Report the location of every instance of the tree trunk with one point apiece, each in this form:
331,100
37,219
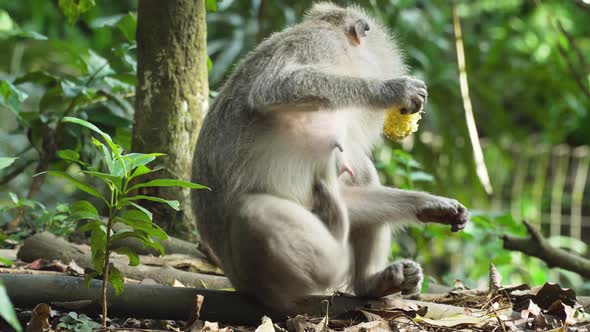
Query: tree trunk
171,99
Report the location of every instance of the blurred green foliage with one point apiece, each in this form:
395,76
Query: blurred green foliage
529,83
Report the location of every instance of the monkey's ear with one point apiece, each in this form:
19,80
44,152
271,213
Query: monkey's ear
358,31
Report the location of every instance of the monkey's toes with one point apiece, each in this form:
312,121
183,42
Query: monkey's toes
405,276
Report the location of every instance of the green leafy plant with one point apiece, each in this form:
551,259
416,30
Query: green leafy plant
78,323
36,217
402,170
7,310
121,202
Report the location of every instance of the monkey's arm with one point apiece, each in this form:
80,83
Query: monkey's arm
379,204
308,88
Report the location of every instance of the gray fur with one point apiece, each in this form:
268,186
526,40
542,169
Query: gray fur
282,220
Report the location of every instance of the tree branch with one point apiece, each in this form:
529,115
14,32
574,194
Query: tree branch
164,302
535,245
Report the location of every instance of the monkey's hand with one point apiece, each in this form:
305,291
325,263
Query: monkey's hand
444,210
409,94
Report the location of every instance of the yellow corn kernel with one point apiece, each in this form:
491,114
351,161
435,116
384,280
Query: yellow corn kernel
398,126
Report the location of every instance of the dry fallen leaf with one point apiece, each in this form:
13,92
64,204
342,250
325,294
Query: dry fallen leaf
266,325
177,283
39,318
455,320
550,292
373,326
195,313
300,323
459,285
495,279
563,311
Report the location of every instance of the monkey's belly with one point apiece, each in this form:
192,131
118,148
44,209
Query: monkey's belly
315,132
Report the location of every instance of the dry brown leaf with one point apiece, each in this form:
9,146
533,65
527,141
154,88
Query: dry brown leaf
528,309
495,279
456,320
459,285
550,292
39,318
565,312
266,325
177,283
373,326
540,323
195,313
300,323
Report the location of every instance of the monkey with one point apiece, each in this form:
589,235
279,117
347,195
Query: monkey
296,206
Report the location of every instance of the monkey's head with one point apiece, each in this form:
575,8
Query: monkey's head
352,20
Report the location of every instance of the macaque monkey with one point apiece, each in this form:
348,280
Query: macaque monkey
296,206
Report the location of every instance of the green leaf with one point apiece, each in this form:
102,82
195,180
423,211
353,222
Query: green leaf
89,226
116,279
11,97
67,154
421,176
137,216
6,261
89,278
133,258
7,310
121,166
79,184
107,155
84,210
128,25
107,178
173,204
94,128
168,183
142,209
125,233
72,9
37,77
138,220
7,161
6,22
209,64
140,170
98,243
13,197
211,5
139,159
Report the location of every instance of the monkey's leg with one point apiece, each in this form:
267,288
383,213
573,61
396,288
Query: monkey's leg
329,208
281,252
371,246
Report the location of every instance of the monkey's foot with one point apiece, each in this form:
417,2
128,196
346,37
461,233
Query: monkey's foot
444,211
404,275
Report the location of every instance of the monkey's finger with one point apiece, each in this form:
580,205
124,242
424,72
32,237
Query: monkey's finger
422,93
